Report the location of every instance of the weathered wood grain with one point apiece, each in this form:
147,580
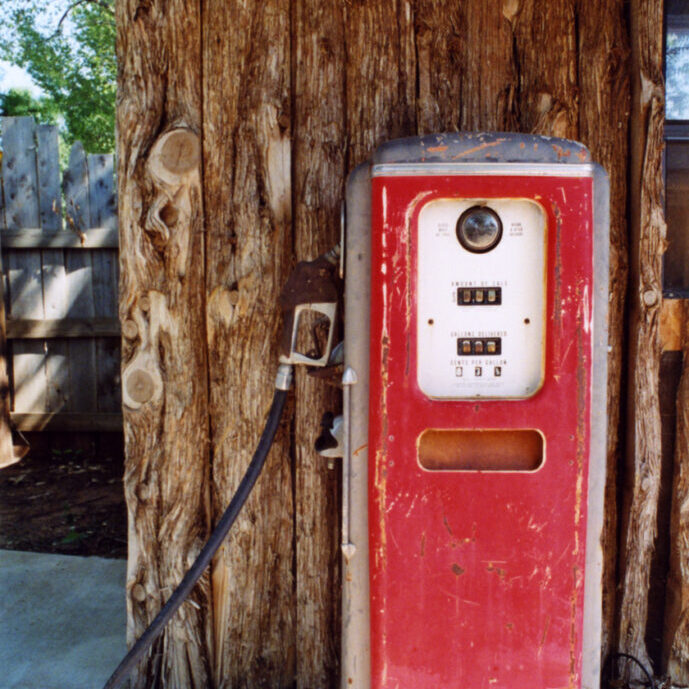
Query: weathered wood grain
102,211
672,315
439,37
74,422
53,272
486,60
546,53
676,641
79,284
380,75
164,354
7,454
32,238
248,203
48,167
604,106
318,175
20,184
27,328
642,479
14,189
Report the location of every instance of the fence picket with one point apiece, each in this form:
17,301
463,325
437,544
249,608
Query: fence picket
20,182
7,454
105,263
80,303
53,267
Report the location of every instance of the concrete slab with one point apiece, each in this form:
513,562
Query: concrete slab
62,620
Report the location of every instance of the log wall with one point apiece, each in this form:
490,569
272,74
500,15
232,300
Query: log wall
283,98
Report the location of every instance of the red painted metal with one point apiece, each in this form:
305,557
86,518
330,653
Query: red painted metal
476,577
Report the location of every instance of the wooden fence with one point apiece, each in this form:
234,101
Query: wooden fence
59,246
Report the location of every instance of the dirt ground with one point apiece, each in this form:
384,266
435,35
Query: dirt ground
66,497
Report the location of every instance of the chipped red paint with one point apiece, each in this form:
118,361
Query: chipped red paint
477,578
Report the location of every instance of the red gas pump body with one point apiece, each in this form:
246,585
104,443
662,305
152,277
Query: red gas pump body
477,576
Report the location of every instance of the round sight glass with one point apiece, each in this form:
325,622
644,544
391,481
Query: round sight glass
479,229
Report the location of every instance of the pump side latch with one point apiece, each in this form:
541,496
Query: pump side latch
309,307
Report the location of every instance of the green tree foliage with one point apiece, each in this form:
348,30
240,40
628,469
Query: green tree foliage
76,69
18,102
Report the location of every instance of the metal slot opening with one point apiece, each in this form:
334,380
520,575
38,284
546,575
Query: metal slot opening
481,450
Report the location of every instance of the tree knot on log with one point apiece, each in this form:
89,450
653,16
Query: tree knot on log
149,320
173,167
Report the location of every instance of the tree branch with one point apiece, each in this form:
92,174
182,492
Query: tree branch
101,3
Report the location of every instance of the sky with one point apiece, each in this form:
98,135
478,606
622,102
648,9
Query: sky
13,77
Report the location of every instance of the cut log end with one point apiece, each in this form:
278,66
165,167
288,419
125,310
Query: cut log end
180,151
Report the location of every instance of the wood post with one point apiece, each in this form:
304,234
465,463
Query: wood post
642,478
318,188
676,651
604,106
164,366
247,153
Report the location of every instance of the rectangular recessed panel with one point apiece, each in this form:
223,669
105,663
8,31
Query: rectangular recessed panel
481,450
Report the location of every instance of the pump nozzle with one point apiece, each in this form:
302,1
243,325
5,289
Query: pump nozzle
309,305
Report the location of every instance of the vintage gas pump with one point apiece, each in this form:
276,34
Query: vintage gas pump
474,414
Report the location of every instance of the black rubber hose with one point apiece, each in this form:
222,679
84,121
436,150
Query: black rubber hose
187,584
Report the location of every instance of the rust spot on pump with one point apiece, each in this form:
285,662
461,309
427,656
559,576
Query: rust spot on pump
457,570
498,570
447,525
380,479
561,152
557,279
544,635
359,449
478,148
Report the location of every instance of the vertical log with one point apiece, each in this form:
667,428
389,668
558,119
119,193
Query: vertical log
438,35
490,83
676,641
164,376
642,481
318,176
604,102
380,75
546,54
247,194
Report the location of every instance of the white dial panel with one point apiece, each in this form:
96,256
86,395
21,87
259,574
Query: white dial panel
481,316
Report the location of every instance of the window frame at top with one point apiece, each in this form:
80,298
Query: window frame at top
676,132
674,128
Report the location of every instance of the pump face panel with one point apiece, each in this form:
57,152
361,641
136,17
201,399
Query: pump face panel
480,418
481,314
